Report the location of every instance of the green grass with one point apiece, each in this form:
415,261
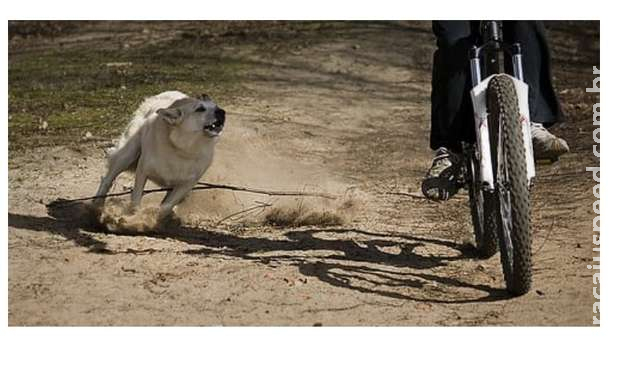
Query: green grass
75,92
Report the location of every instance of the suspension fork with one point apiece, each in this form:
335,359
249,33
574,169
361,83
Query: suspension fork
492,38
483,153
517,61
524,111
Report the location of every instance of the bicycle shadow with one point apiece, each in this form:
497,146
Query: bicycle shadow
384,274
344,262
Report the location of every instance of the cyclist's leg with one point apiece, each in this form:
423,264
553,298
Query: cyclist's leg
545,109
544,105
451,109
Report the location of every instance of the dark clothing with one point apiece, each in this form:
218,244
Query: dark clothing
452,112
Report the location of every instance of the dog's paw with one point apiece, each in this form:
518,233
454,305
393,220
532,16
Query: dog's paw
169,221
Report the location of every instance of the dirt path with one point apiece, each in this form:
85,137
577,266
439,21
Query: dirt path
328,106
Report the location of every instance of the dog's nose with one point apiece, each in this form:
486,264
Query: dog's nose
220,116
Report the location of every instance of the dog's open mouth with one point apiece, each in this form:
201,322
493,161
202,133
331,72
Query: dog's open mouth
214,129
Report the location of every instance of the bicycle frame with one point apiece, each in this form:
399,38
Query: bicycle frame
491,48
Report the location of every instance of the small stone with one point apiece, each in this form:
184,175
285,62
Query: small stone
119,64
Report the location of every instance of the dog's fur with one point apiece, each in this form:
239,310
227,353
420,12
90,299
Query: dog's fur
170,141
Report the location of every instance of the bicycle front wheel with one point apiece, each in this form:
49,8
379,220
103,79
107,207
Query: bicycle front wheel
512,195
483,216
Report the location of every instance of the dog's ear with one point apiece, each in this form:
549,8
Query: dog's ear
171,115
203,97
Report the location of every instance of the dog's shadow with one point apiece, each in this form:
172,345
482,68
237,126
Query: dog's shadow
344,261
67,219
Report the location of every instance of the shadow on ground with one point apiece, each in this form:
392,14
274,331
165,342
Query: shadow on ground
343,262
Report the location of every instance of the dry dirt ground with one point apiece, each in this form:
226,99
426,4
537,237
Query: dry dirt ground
337,107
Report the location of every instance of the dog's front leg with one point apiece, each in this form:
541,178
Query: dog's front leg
174,197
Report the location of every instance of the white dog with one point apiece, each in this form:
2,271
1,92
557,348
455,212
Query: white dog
170,141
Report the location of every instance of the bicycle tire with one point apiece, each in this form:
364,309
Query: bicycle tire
482,214
511,195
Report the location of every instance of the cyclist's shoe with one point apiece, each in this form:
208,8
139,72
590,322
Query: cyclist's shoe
442,180
546,145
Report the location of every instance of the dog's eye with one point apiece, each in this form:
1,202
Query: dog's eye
201,109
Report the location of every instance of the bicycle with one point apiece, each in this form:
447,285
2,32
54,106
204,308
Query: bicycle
499,165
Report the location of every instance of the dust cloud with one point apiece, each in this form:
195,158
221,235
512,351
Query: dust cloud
244,158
